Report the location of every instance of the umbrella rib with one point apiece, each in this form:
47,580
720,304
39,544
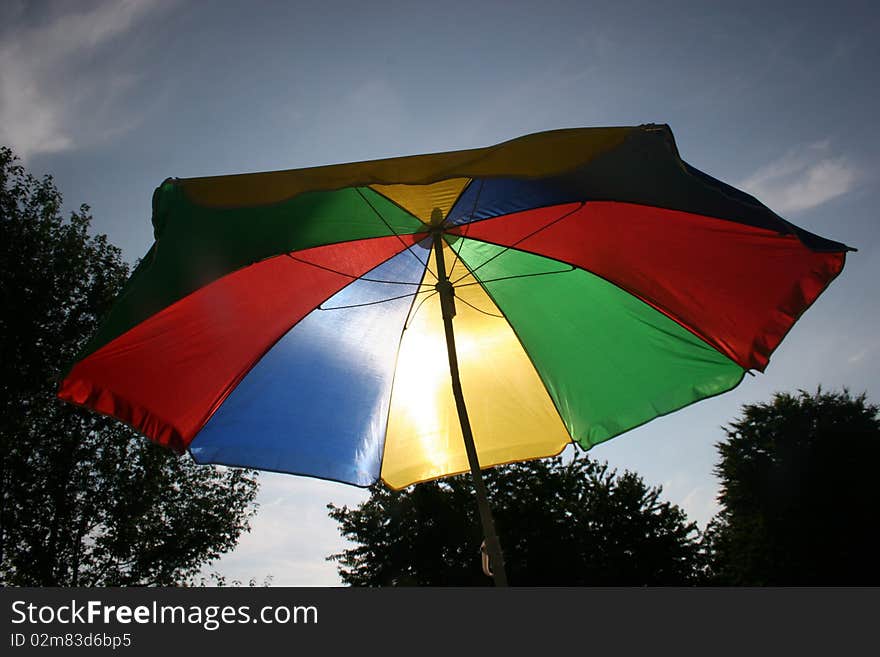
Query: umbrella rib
479,310
520,240
418,307
351,276
393,232
571,268
373,303
468,226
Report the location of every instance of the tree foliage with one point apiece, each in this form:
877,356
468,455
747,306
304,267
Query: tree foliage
799,493
84,500
560,523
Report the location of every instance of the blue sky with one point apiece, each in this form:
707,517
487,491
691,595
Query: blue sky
113,97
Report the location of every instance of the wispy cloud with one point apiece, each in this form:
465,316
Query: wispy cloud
802,178
44,89
701,505
866,353
292,535
858,356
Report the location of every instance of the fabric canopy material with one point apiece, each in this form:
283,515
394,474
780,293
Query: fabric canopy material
289,320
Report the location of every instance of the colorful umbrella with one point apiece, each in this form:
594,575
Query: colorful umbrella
301,321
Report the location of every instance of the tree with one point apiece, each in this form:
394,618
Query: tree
799,494
560,523
84,500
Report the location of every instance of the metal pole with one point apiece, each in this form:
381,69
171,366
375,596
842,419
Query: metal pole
447,305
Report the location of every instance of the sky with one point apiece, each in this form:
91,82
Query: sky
112,97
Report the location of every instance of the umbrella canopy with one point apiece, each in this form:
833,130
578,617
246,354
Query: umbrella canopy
292,320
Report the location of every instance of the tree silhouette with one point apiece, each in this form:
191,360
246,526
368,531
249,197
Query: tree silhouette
799,493
560,523
83,499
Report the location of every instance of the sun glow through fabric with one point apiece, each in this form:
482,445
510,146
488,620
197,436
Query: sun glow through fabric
511,414
317,402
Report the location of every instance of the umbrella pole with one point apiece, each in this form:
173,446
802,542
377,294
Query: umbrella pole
447,305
